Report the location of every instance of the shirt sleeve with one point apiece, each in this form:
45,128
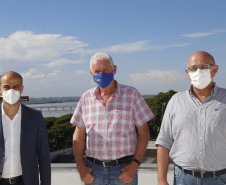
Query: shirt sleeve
77,119
141,112
165,137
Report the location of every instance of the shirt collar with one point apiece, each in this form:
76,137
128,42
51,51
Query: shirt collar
213,91
19,111
96,91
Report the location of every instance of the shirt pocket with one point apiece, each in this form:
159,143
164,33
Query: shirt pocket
217,117
121,120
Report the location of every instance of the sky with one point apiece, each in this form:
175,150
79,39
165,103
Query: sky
50,42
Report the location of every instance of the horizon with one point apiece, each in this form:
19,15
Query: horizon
78,96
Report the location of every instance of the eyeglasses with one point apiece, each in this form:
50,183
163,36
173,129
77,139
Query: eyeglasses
201,67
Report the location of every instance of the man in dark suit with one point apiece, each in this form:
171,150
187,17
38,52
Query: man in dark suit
24,150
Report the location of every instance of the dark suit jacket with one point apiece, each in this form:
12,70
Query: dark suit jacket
34,148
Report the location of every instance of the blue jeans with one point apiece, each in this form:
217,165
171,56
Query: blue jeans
181,178
108,175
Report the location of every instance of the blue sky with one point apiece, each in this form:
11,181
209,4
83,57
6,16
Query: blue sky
50,42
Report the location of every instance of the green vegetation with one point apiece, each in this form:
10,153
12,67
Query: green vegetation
60,131
158,106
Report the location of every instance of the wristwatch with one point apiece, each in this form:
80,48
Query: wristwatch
135,160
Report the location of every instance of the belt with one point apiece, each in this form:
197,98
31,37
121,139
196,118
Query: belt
12,180
123,160
202,174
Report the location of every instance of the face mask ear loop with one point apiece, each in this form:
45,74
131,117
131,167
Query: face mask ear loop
211,71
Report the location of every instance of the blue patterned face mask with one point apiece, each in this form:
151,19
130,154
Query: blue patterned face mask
103,79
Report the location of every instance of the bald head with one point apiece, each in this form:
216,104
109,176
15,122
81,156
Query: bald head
11,75
199,58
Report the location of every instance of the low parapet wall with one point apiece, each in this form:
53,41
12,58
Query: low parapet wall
57,153
68,174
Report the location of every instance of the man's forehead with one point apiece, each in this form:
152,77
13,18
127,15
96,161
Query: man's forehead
10,79
101,63
199,60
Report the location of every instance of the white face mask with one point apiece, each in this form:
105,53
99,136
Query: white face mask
200,78
11,96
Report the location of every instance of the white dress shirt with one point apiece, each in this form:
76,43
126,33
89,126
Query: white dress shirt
12,131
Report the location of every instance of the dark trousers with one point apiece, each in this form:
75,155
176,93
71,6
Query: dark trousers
18,183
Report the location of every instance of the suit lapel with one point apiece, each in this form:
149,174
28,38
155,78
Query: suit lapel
22,127
2,143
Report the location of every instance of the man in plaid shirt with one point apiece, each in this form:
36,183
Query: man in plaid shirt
106,117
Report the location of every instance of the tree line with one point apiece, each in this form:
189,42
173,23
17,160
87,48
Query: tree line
60,130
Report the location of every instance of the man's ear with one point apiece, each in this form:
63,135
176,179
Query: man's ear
186,70
215,69
22,88
114,69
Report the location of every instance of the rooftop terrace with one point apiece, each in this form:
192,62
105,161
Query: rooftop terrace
64,170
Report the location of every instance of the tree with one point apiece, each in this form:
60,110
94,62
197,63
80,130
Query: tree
50,122
158,105
63,119
60,133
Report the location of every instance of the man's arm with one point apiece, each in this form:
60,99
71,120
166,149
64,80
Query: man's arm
79,148
129,171
163,163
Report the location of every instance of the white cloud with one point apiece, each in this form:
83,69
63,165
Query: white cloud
155,81
134,47
36,74
46,83
202,34
62,62
43,53
219,49
27,46
40,83
81,72
156,77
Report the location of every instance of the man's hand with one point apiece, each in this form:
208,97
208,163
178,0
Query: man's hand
128,173
79,148
163,162
85,174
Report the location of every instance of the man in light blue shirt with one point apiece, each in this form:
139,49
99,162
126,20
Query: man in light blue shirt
193,131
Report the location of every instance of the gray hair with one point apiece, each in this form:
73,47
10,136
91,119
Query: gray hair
101,56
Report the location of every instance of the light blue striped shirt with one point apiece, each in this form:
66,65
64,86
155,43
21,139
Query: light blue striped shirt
195,132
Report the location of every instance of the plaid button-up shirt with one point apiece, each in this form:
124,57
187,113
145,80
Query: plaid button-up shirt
110,128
